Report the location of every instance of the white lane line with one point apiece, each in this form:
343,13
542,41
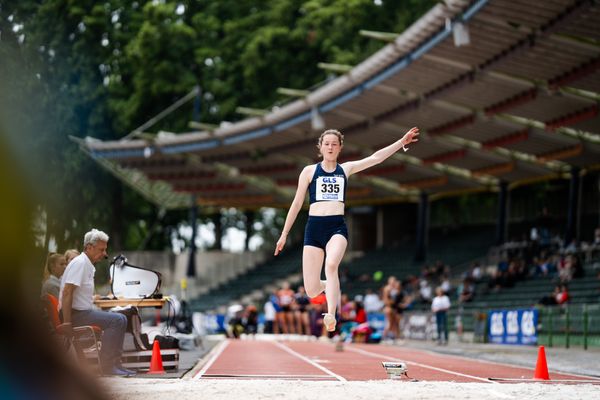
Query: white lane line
381,356
311,362
269,376
216,352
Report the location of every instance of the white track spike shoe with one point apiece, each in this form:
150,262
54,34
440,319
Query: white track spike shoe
329,322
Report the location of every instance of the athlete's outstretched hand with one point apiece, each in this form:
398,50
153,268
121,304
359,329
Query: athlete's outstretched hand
280,244
410,136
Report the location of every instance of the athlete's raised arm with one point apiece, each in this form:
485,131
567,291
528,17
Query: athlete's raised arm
303,182
352,167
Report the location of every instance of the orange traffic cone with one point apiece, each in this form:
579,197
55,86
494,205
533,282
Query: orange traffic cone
541,368
156,365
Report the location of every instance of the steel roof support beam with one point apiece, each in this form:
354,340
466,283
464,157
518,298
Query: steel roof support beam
159,193
203,126
339,68
440,167
293,92
384,36
251,112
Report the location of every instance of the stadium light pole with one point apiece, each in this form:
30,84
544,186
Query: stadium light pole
572,213
191,270
502,213
422,227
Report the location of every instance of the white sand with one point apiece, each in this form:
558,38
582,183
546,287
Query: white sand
184,389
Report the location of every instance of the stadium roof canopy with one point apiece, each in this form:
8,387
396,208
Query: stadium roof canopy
517,103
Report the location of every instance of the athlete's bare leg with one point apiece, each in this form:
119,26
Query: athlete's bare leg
312,263
335,249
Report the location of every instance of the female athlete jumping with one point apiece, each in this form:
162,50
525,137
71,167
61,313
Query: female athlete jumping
326,235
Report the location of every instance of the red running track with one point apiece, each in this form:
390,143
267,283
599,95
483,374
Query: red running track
255,359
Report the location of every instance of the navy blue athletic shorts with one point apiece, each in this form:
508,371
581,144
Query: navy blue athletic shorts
320,229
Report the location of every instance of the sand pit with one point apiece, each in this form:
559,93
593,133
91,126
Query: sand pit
214,389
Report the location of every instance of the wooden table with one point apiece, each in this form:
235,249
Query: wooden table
157,303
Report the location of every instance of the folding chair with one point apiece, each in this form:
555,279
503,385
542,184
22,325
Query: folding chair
85,338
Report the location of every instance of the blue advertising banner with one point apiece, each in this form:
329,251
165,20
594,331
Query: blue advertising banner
213,323
513,326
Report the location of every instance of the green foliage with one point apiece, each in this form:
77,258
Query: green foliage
101,69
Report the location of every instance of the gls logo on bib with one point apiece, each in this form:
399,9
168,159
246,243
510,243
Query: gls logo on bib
330,188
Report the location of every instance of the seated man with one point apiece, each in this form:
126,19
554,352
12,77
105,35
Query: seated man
77,303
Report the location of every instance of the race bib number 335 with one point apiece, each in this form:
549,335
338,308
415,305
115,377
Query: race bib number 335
330,188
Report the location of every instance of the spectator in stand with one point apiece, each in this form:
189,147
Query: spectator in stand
563,295
411,286
347,311
286,300
71,254
279,320
522,269
468,291
496,282
512,275
534,238
571,248
440,268
540,269
372,302
425,292
250,320
425,272
318,306
475,272
591,250
544,223
503,264
440,306
269,310
392,317
234,325
402,302
559,296
359,310
577,266
446,285
544,266
53,271
302,311
565,269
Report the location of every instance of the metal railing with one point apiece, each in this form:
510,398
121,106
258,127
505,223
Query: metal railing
575,325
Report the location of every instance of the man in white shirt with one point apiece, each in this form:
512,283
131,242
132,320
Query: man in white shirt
76,303
372,302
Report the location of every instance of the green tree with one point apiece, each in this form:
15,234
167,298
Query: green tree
100,69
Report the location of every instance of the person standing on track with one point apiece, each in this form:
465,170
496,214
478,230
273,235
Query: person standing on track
326,235
440,306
